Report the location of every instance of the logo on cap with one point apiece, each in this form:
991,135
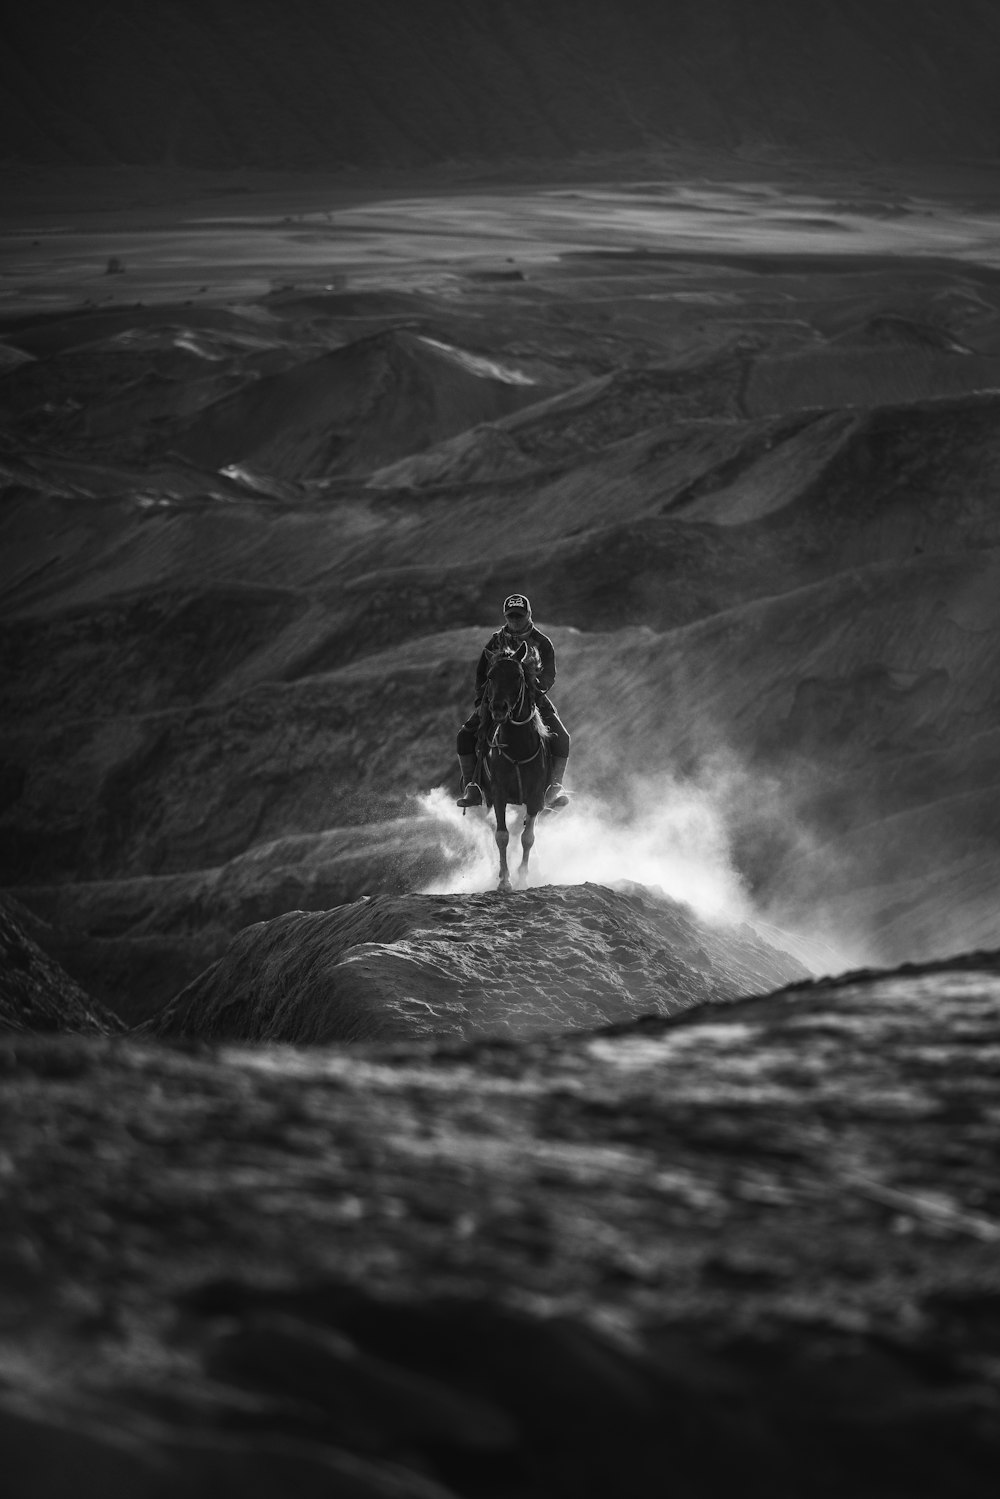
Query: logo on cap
516,601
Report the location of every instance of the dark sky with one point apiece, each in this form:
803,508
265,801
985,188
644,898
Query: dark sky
287,83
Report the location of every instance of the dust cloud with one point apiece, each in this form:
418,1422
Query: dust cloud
661,833
672,836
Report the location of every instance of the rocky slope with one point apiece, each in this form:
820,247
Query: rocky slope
748,1247
36,994
296,84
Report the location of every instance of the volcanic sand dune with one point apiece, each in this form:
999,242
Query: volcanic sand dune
875,877
877,676
421,967
123,807
45,336
737,544
865,378
135,942
167,647
726,472
390,395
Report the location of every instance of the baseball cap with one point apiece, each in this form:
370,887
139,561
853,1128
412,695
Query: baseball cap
516,603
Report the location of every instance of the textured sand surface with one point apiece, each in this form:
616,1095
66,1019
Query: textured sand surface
431,966
753,1246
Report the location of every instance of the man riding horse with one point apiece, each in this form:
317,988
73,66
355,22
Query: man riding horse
518,628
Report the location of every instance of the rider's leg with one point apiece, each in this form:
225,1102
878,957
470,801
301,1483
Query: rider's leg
471,796
555,794
559,742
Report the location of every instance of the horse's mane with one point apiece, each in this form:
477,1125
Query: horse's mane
530,671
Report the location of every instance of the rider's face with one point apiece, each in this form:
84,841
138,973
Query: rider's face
518,624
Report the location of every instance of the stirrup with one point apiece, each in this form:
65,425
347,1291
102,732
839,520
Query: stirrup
556,797
472,796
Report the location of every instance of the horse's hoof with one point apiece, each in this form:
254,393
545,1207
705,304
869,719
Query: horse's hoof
504,885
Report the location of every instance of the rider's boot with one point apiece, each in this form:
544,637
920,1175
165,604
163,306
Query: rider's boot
555,796
471,794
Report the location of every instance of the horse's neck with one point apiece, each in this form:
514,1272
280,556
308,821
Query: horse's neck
518,736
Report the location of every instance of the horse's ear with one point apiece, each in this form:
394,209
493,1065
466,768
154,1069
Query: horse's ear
521,651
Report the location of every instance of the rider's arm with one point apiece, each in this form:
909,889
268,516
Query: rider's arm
546,674
483,667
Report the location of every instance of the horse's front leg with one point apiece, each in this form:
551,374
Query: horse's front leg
527,844
503,838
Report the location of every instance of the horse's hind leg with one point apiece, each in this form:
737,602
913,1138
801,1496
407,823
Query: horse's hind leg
503,838
527,844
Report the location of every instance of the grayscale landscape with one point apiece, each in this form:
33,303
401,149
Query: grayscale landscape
327,1166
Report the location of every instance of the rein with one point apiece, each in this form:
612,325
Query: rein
531,710
519,723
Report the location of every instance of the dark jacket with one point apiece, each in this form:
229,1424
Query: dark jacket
545,653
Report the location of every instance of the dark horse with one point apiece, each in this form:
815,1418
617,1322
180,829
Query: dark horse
514,751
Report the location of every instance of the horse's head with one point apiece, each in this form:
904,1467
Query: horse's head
506,682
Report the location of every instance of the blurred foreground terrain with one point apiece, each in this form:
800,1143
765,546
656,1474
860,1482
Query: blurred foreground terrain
750,1246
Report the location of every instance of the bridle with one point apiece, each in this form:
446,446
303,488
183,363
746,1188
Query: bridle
496,742
508,717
